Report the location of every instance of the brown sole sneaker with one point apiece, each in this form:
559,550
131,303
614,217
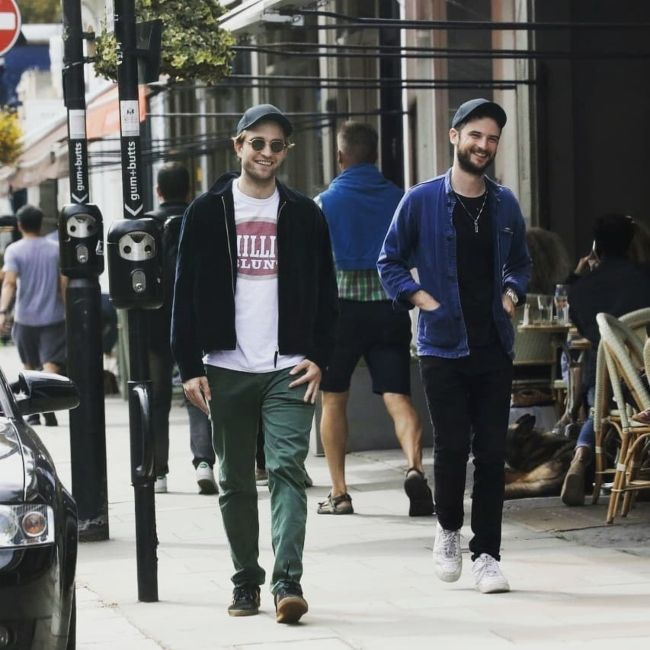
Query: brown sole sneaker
290,609
243,612
245,602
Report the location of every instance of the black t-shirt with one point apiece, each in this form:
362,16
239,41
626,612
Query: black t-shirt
475,267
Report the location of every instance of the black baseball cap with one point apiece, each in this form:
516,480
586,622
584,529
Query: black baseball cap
486,107
264,112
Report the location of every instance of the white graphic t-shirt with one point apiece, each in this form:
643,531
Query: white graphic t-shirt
256,295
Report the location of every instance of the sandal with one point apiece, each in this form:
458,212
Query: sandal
418,491
341,505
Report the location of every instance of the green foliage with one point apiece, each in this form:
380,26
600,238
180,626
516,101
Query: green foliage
40,11
10,134
193,44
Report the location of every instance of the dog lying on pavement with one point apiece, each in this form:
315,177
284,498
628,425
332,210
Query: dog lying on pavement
537,461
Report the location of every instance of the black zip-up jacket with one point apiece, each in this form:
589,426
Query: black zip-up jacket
203,314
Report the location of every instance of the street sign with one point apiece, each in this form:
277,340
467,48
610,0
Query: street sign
9,24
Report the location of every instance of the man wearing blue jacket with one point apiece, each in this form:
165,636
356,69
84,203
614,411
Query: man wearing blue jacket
358,206
465,235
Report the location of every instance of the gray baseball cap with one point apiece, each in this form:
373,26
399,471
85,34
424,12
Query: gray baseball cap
486,107
264,112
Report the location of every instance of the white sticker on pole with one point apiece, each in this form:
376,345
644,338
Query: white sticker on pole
77,124
130,116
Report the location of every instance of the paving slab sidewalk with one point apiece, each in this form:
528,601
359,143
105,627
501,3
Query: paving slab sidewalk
368,577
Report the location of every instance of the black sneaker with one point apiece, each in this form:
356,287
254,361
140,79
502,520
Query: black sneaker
245,601
419,493
289,602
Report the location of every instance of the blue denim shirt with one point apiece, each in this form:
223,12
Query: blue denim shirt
422,235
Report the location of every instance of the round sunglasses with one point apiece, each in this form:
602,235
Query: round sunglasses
259,144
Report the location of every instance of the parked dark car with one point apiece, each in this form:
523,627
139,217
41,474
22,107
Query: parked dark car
38,521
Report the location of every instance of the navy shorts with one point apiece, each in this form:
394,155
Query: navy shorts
381,336
40,344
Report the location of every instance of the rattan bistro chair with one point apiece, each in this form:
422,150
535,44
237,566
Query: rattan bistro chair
604,416
623,354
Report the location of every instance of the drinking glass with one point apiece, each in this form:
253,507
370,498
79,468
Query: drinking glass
561,303
545,305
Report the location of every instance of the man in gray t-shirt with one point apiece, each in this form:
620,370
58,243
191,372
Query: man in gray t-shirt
31,275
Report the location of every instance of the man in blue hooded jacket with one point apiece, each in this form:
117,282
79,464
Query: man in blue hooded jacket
358,206
466,236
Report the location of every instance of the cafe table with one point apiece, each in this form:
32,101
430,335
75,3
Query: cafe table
558,336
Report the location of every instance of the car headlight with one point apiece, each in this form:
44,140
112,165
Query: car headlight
26,525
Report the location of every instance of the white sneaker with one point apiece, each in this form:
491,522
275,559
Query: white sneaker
160,486
447,559
488,576
205,479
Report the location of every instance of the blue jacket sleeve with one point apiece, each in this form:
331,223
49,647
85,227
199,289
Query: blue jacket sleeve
516,271
394,259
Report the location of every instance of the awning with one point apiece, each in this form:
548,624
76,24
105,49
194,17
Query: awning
45,152
252,14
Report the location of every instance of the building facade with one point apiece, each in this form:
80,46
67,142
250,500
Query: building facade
568,72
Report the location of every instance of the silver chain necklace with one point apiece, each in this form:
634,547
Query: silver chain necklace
469,214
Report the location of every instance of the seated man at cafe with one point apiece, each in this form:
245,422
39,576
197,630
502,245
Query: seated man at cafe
607,281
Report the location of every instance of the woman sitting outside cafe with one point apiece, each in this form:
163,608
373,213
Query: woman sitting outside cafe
605,280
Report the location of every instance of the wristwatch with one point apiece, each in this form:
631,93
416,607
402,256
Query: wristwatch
510,292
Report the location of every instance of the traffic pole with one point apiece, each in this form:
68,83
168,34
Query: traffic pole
142,473
83,304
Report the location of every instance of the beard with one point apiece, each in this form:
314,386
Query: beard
466,164
257,174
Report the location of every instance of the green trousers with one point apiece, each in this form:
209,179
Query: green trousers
239,399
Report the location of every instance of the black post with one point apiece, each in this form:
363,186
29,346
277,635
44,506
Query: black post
142,473
83,311
390,100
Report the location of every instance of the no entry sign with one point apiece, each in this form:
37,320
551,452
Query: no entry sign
9,24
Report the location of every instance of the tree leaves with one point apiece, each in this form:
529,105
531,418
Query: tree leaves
193,44
40,11
10,134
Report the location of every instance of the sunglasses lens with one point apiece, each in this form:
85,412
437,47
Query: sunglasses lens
258,144
277,146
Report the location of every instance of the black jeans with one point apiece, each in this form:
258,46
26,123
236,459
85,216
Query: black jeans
469,403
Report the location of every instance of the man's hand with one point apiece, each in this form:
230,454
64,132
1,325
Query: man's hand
3,323
197,390
508,305
424,300
312,377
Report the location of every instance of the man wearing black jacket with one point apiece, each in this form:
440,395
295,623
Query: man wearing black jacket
254,311
173,189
